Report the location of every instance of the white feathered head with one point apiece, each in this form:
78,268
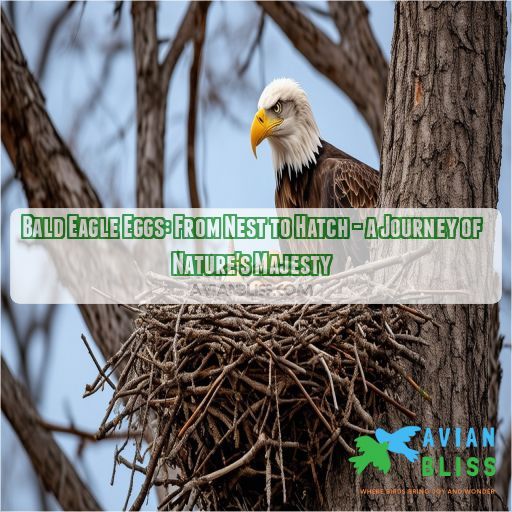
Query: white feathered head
285,118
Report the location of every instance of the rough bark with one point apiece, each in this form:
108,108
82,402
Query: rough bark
355,64
151,107
152,84
49,461
441,148
50,176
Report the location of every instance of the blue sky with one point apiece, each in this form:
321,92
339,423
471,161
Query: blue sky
229,176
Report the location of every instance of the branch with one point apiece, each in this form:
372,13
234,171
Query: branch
151,107
244,66
96,92
356,65
83,434
50,175
49,462
184,34
152,87
194,77
52,31
33,324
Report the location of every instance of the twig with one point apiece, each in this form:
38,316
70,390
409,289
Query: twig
195,68
213,389
331,383
418,314
358,360
393,402
157,450
100,371
89,436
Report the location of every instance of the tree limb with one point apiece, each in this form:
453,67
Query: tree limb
48,460
83,434
96,92
244,65
184,34
194,77
50,176
356,65
49,173
51,33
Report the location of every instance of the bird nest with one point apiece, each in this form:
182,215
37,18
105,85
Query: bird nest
246,406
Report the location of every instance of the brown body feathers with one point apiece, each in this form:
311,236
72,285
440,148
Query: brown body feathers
337,180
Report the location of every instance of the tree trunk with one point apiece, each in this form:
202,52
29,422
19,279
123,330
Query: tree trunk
151,107
441,148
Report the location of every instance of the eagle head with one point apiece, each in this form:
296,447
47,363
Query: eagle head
285,118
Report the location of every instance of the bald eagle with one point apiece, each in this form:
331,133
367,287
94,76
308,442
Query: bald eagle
310,172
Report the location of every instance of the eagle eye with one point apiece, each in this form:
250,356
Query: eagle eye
277,107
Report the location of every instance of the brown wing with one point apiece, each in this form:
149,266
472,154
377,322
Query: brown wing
347,183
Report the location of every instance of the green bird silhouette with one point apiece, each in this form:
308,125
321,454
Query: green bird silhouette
372,452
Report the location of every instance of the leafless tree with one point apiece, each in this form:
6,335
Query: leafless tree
466,147
461,93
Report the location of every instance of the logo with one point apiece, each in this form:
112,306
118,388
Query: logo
376,452
450,451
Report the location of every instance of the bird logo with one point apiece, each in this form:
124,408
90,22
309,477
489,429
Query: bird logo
375,452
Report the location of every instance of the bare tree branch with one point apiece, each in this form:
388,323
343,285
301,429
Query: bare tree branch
48,460
95,96
118,12
50,175
52,31
244,66
194,76
183,36
12,13
24,337
78,432
356,65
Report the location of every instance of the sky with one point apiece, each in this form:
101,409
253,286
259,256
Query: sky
229,175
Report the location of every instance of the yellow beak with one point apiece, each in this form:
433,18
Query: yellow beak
261,128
